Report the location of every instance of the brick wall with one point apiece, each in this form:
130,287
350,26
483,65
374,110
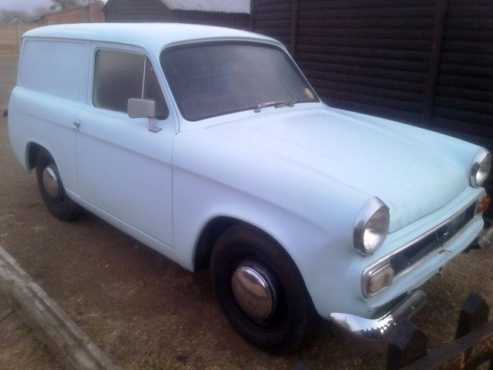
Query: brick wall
10,35
91,13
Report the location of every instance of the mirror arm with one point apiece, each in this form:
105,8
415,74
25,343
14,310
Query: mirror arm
152,125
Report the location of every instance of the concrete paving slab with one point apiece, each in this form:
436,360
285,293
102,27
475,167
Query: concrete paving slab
66,341
20,348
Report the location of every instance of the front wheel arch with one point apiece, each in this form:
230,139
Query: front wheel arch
213,230
228,248
210,233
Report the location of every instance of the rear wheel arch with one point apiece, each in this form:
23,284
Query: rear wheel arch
33,151
51,187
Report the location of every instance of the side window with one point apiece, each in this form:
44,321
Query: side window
117,78
120,76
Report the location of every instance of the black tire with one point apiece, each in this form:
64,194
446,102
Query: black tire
60,206
294,319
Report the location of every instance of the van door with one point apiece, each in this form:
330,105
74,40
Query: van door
125,170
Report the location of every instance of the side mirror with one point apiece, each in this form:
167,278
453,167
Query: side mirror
144,108
141,108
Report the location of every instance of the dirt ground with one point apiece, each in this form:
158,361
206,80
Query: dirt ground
148,313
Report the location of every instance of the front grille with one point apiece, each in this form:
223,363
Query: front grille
431,242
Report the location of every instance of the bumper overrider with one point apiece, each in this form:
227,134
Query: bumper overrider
378,328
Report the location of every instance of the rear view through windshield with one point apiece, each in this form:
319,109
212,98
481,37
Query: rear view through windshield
218,78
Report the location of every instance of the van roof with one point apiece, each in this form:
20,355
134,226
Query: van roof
151,36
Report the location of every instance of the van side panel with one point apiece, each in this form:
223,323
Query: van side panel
50,93
55,68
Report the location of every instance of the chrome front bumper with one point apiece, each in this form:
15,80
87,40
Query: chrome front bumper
378,328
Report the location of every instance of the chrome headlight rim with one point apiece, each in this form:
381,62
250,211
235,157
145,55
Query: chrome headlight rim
371,209
483,158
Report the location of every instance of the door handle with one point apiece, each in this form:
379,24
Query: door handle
76,125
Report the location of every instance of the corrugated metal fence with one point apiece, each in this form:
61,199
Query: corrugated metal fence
429,62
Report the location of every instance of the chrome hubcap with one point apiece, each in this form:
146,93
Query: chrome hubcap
50,181
253,291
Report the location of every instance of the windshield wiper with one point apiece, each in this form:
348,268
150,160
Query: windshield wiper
276,104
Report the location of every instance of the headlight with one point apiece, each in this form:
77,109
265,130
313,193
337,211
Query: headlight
481,168
372,227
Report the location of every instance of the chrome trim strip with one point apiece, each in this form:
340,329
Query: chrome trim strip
378,328
428,256
386,259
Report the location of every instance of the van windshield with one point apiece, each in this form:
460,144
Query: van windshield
212,79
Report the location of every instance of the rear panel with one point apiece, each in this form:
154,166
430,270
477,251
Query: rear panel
55,67
50,92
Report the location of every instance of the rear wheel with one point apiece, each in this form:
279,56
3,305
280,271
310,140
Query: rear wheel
52,190
261,290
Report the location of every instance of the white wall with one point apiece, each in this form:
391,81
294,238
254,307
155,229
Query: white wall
226,6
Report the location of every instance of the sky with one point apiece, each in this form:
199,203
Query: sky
24,5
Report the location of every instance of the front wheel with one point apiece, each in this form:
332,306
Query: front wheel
52,190
261,291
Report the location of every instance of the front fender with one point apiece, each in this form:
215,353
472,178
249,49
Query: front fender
324,258
309,215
